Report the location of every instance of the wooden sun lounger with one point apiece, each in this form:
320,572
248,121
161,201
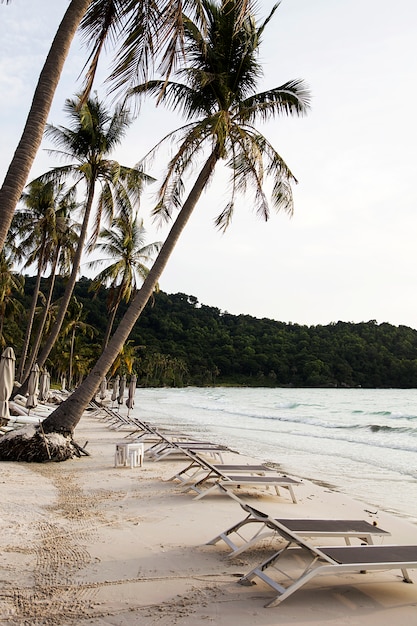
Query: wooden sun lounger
213,479
344,528
324,561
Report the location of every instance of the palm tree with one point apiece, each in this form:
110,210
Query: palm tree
125,360
124,244
141,25
75,323
10,283
217,96
88,143
66,233
34,235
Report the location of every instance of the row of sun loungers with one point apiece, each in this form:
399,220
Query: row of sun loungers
293,559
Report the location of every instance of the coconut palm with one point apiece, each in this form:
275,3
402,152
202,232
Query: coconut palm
88,143
217,97
75,324
142,27
34,233
66,233
124,244
10,284
126,359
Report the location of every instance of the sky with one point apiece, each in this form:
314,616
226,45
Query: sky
349,252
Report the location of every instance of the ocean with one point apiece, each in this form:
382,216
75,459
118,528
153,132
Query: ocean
360,442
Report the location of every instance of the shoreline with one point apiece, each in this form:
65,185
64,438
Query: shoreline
83,542
300,429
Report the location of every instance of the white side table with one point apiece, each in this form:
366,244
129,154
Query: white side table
129,454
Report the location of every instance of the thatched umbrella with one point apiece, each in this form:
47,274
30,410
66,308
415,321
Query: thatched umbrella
7,370
130,402
122,386
33,388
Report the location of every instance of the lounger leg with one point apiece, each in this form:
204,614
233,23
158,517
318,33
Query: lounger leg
247,579
283,592
406,577
291,490
232,529
204,492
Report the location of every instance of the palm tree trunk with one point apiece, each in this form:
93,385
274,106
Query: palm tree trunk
65,418
31,138
109,326
71,358
31,360
30,320
112,317
53,335
2,342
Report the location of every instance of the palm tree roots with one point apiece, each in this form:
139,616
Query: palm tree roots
30,444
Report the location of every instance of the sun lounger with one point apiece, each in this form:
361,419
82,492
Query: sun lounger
334,560
116,420
180,448
198,468
239,539
215,480
108,414
226,483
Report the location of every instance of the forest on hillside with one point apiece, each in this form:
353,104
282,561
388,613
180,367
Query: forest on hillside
178,341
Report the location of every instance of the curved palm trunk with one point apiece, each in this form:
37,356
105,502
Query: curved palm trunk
31,138
29,325
65,418
109,326
112,317
42,322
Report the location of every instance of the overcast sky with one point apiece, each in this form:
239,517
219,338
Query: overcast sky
349,252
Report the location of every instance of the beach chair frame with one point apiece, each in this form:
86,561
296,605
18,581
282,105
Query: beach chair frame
346,529
225,482
326,560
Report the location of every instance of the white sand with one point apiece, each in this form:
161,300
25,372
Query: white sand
83,542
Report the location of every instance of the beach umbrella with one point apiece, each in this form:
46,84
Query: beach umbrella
103,388
115,393
122,386
131,394
63,383
44,385
33,388
7,369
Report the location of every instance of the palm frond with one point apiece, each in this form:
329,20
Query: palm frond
292,98
101,23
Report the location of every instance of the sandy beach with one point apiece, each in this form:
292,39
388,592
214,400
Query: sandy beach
84,542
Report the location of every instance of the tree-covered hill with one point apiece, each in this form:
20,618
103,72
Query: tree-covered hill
179,341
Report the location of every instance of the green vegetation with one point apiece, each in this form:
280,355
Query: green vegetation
178,341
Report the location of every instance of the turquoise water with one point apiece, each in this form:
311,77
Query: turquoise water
361,442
